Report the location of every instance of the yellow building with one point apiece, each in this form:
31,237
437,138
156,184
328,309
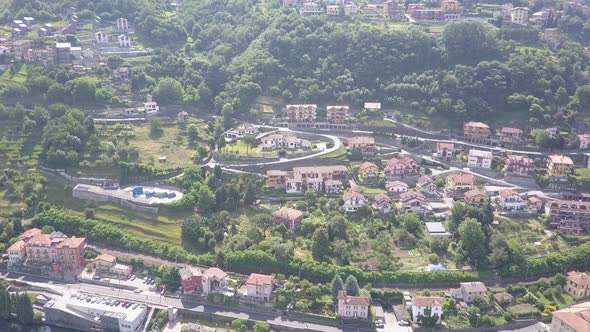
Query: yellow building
559,166
577,284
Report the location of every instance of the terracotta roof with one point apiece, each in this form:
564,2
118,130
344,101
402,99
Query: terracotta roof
40,240
424,181
353,300
260,279
106,258
17,246
337,107
462,178
412,195
351,194
510,130
577,317
519,159
390,184
442,145
427,301
361,140
403,161
474,287
474,192
584,137
30,233
475,124
302,106
71,242
534,200
215,272
561,159
287,213
579,278
382,198
367,165
507,193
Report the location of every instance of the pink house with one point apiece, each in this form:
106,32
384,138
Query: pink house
352,307
401,167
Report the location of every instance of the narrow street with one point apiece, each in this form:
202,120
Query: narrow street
159,301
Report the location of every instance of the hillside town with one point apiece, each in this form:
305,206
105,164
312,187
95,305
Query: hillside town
294,165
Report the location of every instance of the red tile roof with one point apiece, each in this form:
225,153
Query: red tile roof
507,193
474,192
561,159
405,161
214,272
351,194
71,242
427,301
30,233
260,279
462,178
361,140
579,278
577,317
353,300
17,246
40,240
382,198
448,146
367,165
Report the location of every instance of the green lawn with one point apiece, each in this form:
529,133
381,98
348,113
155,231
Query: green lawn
19,77
532,235
172,144
523,310
163,227
368,190
336,153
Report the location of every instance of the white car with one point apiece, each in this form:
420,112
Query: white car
137,291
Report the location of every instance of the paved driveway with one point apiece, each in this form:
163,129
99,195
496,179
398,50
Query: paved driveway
391,324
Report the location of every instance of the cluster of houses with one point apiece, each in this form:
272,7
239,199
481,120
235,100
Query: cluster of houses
305,116
213,280
573,318
22,47
394,10
323,179
286,141
53,252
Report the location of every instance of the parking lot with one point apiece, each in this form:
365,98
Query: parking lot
141,283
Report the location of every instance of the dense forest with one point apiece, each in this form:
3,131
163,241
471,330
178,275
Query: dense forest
227,53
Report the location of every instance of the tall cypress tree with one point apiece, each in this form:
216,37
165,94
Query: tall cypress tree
5,303
337,285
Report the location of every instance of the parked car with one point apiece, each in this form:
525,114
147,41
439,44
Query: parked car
379,323
132,277
95,277
137,291
403,323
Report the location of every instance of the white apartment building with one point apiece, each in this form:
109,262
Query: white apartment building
480,159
